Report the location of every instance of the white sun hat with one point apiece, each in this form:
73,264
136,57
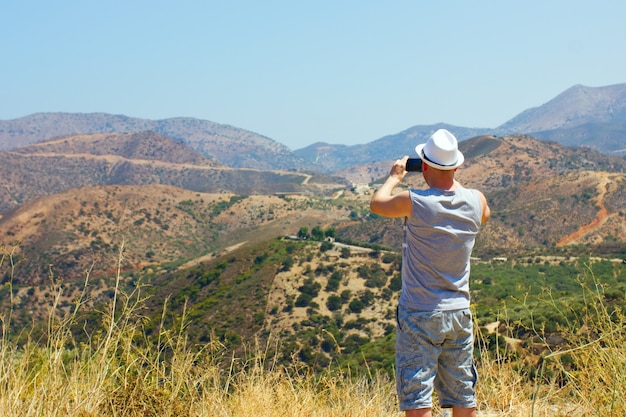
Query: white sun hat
441,151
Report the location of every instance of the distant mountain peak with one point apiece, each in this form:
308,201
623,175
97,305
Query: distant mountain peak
575,106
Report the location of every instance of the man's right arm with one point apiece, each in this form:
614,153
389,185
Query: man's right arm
384,202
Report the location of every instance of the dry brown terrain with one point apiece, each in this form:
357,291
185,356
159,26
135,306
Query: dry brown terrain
286,284
168,223
592,232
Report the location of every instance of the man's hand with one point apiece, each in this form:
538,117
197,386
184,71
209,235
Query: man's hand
398,170
388,205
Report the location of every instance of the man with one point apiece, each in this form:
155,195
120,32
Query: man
434,340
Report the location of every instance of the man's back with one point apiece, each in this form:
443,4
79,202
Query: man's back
438,240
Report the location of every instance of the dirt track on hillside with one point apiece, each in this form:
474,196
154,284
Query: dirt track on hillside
601,217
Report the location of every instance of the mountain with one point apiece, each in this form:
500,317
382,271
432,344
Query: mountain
324,157
593,117
226,144
576,106
58,165
580,116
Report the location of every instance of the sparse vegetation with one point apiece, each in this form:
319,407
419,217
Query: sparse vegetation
118,373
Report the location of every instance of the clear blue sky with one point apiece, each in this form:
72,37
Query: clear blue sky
299,72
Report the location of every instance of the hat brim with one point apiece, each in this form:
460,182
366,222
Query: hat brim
459,159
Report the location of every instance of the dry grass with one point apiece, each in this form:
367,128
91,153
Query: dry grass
115,374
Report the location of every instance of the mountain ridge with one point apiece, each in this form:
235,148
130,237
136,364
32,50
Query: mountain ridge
142,158
580,116
224,143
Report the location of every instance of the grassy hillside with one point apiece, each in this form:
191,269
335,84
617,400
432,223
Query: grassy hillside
327,303
168,345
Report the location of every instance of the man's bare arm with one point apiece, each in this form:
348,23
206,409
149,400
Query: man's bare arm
486,210
384,202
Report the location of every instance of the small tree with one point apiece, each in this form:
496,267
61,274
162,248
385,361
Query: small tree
287,263
326,246
303,233
317,233
334,303
303,300
356,305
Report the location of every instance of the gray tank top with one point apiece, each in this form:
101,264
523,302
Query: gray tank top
438,241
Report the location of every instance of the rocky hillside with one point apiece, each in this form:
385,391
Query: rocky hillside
55,166
540,194
82,228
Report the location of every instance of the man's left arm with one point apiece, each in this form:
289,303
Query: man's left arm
485,207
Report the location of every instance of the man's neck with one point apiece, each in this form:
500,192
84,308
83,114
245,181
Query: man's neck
446,184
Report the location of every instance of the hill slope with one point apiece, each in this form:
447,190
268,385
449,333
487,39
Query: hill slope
75,229
149,146
226,144
133,159
539,193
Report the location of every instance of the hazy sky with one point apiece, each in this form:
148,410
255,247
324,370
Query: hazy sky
299,72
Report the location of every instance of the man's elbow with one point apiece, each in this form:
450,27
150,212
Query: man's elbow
380,208
374,207
384,210
486,215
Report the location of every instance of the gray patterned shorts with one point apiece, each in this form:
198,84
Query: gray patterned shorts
434,351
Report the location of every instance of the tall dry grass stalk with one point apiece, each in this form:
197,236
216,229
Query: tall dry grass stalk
591,367
119,373
506,388
273,392
585,376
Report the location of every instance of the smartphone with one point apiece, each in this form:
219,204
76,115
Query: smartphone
414,165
